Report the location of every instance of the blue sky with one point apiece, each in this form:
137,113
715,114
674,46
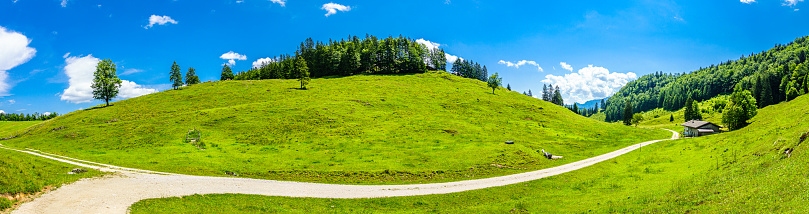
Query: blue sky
589,48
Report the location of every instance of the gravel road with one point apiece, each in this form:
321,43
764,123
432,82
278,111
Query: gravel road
117,192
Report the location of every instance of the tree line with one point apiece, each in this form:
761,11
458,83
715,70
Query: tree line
772,76
352,56
26,117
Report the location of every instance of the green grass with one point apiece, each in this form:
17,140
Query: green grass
25,173
743,171
10,128
360,129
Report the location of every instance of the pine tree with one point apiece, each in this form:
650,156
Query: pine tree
191,77
105,82
508,86
688,113
671,119
544,92
576,108
530,94
557,97
603,105
628,113
227,74
301,71
176,77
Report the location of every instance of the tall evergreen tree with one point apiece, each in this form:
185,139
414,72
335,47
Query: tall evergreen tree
557,97
603,104
191,77
530,94
508,86
628,113
176,77
227,74
576,108
301,71
689,110
544,92
105,82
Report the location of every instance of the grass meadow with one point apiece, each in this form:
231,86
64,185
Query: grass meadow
364,129
744,171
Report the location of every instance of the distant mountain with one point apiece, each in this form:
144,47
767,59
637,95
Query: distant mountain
591,103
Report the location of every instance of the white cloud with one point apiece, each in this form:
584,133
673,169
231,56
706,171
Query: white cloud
589,83
332,8
64,3
46,113
14,52
432,45
21,109
566,66
791,2
2,112
239,2
159,20
427,43
232,57
520,63
130,71
131,89
11,102
281,2
79,71
747,1
258,63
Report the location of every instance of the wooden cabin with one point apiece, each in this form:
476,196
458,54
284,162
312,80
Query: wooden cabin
696,128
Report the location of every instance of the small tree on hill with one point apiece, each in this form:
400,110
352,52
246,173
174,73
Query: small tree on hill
508,86
688,113
557,97
191,77
105,81
628,113
740,108
494,81
637,118
227,74
301,71
175,76
671,119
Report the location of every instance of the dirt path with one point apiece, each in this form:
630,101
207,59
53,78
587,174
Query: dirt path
116,193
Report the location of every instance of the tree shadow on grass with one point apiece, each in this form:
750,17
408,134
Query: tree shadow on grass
302,89
99,107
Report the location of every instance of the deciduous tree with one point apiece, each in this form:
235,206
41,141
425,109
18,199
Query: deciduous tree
494,82
105,81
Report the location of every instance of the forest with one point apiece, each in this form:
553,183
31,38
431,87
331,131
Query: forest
354,55
26,117
772,76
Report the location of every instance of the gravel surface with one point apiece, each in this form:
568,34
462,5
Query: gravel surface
117,192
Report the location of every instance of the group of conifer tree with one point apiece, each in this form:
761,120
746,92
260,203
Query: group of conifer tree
553,95
176,77
770,77
351,56
26,117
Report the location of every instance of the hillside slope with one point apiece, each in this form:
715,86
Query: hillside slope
358,129
744,171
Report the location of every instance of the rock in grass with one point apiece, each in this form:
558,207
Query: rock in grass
509,142
77,171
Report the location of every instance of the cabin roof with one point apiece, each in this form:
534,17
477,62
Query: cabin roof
696,124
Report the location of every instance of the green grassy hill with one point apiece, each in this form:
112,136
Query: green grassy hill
358,129
744,171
